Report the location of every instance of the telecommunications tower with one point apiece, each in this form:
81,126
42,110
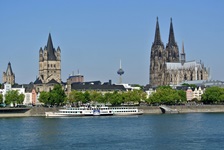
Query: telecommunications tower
120,72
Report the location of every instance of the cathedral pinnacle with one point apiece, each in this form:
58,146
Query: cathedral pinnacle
171,41
157,40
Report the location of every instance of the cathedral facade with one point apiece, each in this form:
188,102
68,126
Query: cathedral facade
168,67
49,67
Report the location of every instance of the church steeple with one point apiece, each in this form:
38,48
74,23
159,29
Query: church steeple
9,76
9,70
50,49
171,41
157,39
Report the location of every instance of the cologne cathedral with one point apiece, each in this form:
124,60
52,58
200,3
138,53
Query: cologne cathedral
168,67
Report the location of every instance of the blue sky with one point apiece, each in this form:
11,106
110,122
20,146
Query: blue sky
95,34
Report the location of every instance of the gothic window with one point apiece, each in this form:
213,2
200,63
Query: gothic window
191,76
160,55
185,76
171,78
198,76
201,75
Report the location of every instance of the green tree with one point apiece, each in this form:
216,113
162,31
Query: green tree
44,98
116,99
86,97
75,97
190,85
57,95
96,96
166,95
183,97
134,96
14,97
1,98
213,95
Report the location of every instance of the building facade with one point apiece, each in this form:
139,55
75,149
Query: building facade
9,76
49,67
168,67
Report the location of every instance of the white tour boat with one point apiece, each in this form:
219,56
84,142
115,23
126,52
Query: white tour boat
94,111
80,111
126,111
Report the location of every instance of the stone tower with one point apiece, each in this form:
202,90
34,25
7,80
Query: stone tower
49,67
157,59
9,76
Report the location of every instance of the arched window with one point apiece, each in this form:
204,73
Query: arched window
191,76
185,76
160,55
201,75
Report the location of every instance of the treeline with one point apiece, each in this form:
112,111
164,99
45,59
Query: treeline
115,98
57,97
13,98
163,95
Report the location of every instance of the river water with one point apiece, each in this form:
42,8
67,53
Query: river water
162,131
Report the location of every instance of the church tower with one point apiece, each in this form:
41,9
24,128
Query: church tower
9,76
157,59
172,51
49,67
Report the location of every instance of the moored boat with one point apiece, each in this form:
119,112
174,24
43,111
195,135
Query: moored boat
94,111
126,111
80,111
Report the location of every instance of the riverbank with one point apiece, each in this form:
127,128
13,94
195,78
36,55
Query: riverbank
185,109
40,111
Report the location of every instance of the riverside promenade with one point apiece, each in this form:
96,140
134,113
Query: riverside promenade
40,111
185,109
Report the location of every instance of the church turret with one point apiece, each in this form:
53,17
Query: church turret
58,53
9,76
41,54
182,55
172,51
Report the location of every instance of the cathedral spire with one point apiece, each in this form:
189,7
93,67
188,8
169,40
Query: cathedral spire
157,40
50,48
171,41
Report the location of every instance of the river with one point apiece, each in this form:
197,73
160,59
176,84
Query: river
162,131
